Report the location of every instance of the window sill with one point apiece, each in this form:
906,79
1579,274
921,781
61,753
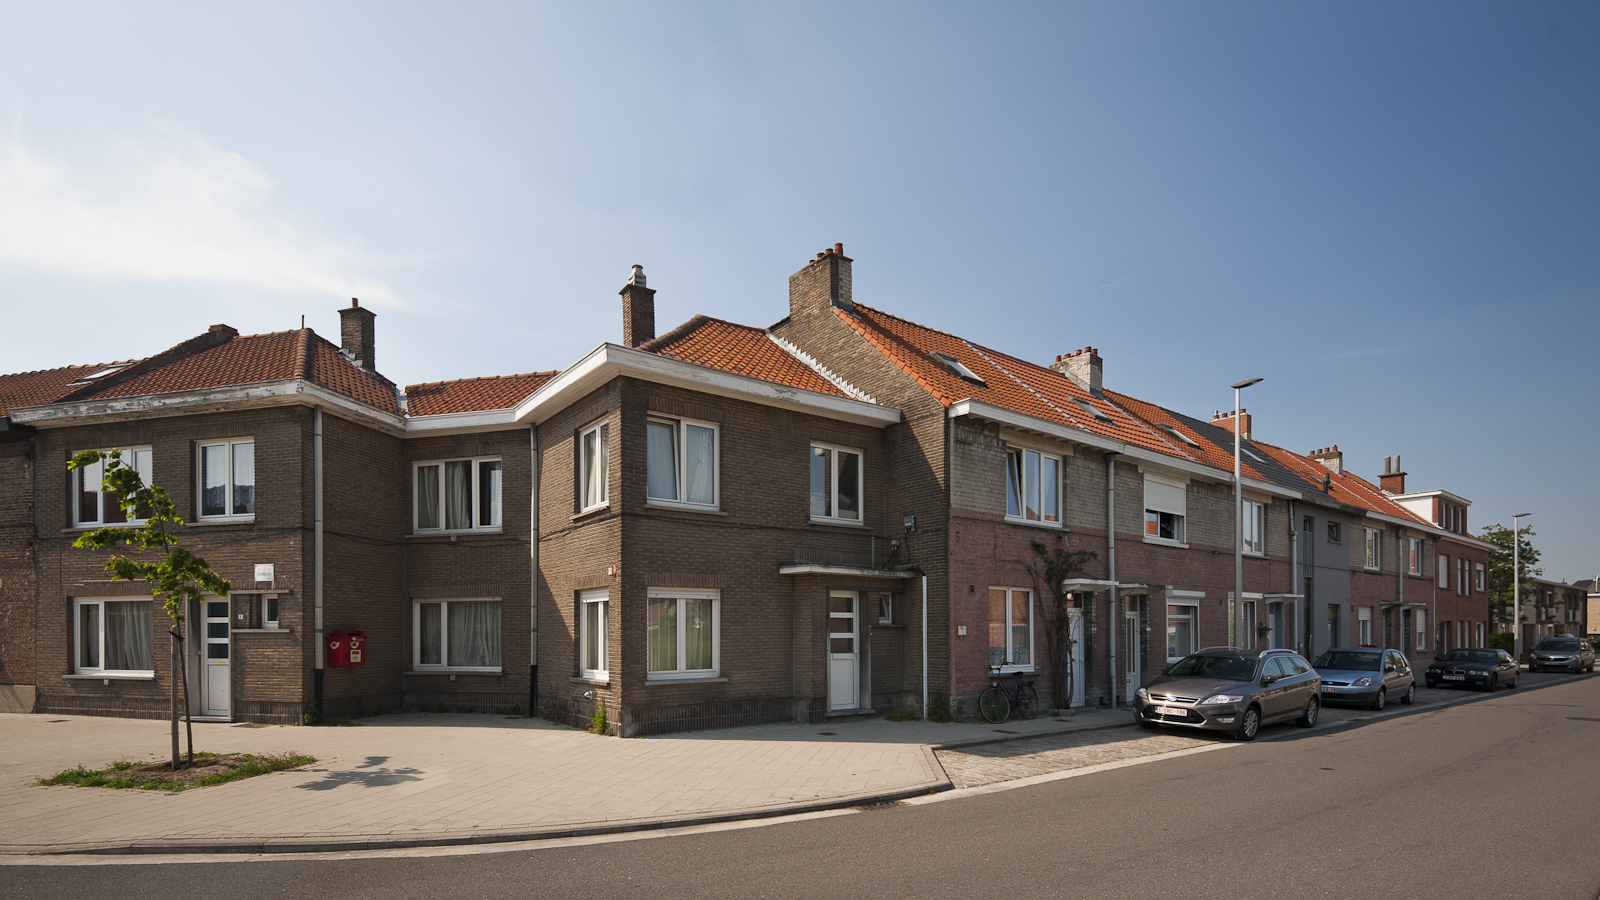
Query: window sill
688,679
113,676
838,523
1253,555
684,507
586,679
263,631
898,626
589,512
1165,542
1053,526
1016,670
454,672
452,535
206,523
92,527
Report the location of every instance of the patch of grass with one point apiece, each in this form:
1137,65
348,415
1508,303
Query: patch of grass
209,769
939,708
903,714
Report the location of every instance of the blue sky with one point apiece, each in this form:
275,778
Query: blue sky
1389,211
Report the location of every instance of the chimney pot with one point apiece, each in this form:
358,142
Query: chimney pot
823,284
1084,367
838,249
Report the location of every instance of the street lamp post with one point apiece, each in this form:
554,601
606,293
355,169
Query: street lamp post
1516,587
1238,517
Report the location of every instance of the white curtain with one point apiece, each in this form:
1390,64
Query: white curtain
661,635
432,653
244,479
700,461
489,494
130,634
595,467
821,503
89,636
214,480
458,495
475,633
428,497
662,452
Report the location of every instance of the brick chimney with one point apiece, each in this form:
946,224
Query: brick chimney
1225,420
823,284
1332,457
356,334
638,310
1393,480
1082,366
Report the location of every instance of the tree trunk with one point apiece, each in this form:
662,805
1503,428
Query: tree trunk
188,716
177,663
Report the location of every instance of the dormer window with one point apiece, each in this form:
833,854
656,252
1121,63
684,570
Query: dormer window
956,366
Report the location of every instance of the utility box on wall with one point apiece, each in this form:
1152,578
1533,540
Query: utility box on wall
347,648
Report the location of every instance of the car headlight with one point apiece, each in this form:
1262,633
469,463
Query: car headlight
1362,682
1218,699
1144,694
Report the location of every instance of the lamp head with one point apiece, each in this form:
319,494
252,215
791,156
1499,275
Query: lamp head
1246,383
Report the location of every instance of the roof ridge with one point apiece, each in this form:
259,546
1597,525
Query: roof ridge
214,336
833,378
681,331
482,378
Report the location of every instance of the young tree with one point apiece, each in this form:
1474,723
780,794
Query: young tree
176,578
1500,575
1053,566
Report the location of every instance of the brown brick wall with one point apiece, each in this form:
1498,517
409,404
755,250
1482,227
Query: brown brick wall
17,574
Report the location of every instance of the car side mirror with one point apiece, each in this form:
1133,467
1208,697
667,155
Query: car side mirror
1268,679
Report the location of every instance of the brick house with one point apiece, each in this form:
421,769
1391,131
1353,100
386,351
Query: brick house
1457,584
1554,608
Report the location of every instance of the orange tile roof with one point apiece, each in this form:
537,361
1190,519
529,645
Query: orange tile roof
39,388
1344,487
472,394
1213,445
740,349
1008,382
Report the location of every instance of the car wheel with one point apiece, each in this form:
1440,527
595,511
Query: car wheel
1249,724
1381,699
1489,685
1591,668
1411,694
1313,710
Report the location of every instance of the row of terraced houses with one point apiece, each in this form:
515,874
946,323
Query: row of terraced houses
724,524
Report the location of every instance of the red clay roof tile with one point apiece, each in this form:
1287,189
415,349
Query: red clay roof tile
740,349
473,394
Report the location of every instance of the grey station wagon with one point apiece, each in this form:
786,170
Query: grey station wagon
1224,689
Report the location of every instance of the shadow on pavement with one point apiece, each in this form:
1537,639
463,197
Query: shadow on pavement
371,773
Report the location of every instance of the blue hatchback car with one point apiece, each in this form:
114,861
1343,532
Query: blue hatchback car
1365,676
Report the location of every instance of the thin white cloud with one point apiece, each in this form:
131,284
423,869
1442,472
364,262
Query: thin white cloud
171,208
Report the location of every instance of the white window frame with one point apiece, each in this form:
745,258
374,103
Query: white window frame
1157,510
1482,573
832,452
1193,615
1441,572
443,665
1414,556
271,611
601,433
1010,649
587,667
1021,454
681,673
885,607
78,667
1421,628
1255,520
1480,634
1364,626
681,436
1335,532
475,467
130,457
200,474
1374,560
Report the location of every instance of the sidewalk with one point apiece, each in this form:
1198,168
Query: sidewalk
430,780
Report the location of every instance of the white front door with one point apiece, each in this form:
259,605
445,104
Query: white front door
214,661
844,662
1130,654
1075,623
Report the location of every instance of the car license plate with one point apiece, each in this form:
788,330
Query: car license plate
1172,711
1455,678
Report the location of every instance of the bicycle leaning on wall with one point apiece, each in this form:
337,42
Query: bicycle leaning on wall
996,703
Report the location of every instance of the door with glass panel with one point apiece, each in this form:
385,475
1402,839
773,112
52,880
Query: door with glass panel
1130,654
844,663
214,672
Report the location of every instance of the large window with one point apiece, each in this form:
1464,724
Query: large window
1181,632
458,495
682,462
1011,628
1255,527
1364,618
457,634
1374,548
1165,506
113,636
594,611
93,507
594,466
836,484
1033,486
227,479
682,634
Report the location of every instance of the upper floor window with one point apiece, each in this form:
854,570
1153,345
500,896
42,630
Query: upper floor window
227,479
1165,507
458,495
1443,571
1374,549
92,506
113,636
1480,579
1033,486
594,467
1255,527
1335,533
682,462
836,483
1463,584
1414,556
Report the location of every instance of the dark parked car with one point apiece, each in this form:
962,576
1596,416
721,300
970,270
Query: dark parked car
1365,676
1564,652
1486,669
1224,689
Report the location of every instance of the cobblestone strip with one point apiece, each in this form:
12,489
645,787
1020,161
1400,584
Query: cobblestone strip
1039,756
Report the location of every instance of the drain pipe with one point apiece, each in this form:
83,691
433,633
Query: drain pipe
1111,563
1294,578
533,577
321,658
924,646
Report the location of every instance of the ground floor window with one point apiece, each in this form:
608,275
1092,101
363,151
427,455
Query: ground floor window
1180,631
1010,627
1422,630
1365,618
594,613
683,633
457,634
1480,634
114,636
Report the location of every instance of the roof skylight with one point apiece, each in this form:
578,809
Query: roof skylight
955,365
108,370
1089,408
1181,436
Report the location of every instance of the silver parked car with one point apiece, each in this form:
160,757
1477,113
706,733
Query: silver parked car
1225,689
1563,652
1366,676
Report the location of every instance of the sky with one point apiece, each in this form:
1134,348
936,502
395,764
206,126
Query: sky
1387,211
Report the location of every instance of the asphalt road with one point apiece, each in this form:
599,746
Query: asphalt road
1487,799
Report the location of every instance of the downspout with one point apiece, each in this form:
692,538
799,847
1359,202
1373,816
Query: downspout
1111,563
1294,578
316,532
533,577
1400,576
924,646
